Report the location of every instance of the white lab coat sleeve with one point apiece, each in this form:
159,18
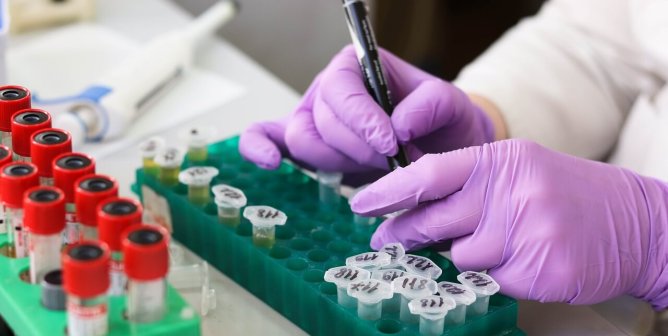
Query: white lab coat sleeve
565,78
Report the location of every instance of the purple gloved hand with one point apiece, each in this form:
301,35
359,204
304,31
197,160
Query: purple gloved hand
548,226
339,127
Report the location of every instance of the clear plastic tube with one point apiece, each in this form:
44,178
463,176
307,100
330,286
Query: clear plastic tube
329,188
6,139
146,300
17,236
44,253
118,278
87,317
72,232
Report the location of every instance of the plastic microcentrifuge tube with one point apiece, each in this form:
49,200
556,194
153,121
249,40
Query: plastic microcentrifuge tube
370,295
388,275
342,276
432,311
44,209
5,158
197,139
329,187
24,124
198,179
149,149
86,281
45,145
67,168
462,296
360,220
396,252
169,162
15,179
13,98
115,215
146,261
229,201
421,266
195,276
89,191
264,219
369,260
483,286
412,287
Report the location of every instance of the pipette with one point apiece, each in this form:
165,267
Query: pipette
89,191
396,252
44,209
432,311
462,296
229,201
483,286
5,158
67,168
197,139
198,179
421,266
13,98
15,179
45,145
369,260
149,149
370,295
329,188
169,162
342,276
146,262
24,124
412,287
264,219
388,275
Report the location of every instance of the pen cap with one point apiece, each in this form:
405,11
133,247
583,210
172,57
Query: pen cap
146,252
12,98
15,179
114,215
5,155
23,124
45,145
69,167
89,191
86,269
44,210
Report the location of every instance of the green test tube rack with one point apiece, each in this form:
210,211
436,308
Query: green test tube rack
289,275
21,309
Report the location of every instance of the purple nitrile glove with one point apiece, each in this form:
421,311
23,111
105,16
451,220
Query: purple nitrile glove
339,127
548,226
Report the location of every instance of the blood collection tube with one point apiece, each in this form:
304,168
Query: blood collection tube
45,145
146,262
89,191
114,215
5,158
44,209
198,179
15,179
169,162
67,168
24,123
86,281
12,99
197,138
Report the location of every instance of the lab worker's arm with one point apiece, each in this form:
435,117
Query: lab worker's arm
565,78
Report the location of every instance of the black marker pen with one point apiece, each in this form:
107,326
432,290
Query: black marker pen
369,59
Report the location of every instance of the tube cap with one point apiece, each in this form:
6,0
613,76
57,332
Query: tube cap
53,297
89,191
23,124
15,179
114,215
5,155
146,252
12,98
44,210
86,269
69,167
45,145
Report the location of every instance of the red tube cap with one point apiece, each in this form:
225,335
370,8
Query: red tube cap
24,124
69,167
12,98
5,155
89,191
15,179
146,252
45,145
114,215
44,210
86,269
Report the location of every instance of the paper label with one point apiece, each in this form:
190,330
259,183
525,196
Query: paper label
86,320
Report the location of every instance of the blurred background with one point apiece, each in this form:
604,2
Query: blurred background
294,39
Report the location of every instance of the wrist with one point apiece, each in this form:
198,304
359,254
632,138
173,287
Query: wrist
493,113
